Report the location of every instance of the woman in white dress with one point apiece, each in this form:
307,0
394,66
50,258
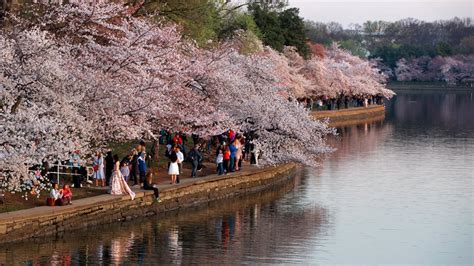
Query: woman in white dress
173,169
118,186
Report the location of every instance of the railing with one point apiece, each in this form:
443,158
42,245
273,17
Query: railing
58,171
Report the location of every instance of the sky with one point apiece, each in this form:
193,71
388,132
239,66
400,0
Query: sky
353,11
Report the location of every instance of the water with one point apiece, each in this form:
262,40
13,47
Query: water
397,191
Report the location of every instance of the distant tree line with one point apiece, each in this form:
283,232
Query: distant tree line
391,41
405,39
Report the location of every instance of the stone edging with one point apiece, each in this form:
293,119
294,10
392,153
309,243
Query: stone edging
351,116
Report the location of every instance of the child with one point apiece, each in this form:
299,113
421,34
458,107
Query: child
125,170
220,162
67,194
226,158
55,196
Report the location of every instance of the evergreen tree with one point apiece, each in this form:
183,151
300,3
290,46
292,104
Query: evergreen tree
280,28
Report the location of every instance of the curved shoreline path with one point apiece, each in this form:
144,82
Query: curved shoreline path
103,209
351,116
87,212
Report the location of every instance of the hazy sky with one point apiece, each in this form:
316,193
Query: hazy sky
353,11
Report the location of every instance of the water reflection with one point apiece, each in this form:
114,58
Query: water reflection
441,109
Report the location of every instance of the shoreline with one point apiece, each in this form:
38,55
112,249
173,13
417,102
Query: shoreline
45,221
426,86
351,116
104,209
44,246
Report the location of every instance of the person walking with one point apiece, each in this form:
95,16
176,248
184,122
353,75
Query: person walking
195,138
98,167
195,158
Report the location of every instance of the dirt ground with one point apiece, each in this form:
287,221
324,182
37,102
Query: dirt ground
15,202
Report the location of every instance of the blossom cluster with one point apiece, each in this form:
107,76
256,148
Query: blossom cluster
337,72
453,70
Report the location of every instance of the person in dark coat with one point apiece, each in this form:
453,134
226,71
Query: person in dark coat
134,169
148,185
109,167
195,138
153,158
195,158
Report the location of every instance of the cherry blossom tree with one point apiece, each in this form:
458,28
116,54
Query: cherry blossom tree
251,98
364,78
139,75
450,69
339,72
39,116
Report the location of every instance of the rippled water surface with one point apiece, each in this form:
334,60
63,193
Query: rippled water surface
397,191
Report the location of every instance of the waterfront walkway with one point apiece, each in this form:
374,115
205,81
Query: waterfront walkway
103,209
163,186
351,116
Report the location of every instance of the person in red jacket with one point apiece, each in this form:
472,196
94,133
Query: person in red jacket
67,194
177,139
231,134
226,152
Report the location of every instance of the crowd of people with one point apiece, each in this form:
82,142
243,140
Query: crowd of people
340,101
134,170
